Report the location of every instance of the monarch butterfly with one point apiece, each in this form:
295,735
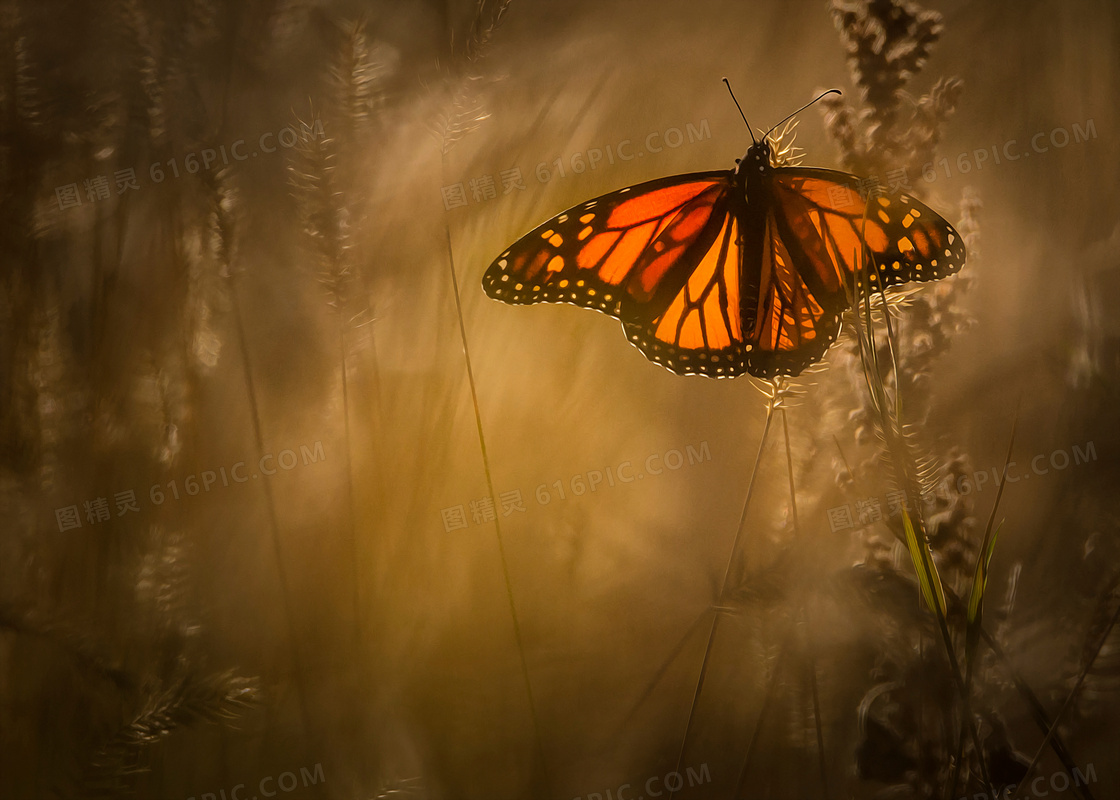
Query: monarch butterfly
732,271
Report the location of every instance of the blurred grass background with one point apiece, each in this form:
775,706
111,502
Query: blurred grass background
324,615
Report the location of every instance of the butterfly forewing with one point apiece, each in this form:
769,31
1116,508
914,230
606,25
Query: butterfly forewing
619,253
905,239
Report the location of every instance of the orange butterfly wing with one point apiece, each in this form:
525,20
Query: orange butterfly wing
818,236
707,281
700,330
908,240
618,253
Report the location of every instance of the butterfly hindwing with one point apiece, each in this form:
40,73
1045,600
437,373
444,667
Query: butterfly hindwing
753,303
700,330
617,253
793,303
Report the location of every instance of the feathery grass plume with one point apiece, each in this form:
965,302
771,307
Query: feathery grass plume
162,579
464,79
49,368
888,43
324,206
399,789
165,648
185,701
207,251
324,215
224,202
358,79
160,683
26,98
162,389
891,134
145,45
324,212
895,136
202,22
783,151
358,75
357,105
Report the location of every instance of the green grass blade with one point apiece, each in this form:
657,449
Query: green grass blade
928,578
980,579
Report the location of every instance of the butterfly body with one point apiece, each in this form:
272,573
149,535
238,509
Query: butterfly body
728,272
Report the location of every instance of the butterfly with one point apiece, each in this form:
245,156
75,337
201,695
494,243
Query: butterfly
746,270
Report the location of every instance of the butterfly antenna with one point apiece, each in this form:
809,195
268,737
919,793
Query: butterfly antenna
798,111
741,114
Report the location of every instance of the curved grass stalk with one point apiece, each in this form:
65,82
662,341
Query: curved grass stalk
497,524
298,666
975,612
774,401
898,452
1038,712
1069,699
812,666
762,714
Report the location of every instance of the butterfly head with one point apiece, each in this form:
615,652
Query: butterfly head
756,162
